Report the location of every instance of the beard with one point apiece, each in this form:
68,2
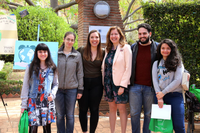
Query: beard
146,41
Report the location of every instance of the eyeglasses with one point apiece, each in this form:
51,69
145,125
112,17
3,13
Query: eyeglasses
68,39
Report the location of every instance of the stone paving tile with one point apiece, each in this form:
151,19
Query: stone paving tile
13,109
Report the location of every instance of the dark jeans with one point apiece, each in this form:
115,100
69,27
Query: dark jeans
92,94
175,99
46,129
65,104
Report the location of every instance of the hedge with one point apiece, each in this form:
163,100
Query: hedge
181,23
10,86
52,27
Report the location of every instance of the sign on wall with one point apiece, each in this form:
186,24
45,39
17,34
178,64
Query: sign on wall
8,34
102,30
24,53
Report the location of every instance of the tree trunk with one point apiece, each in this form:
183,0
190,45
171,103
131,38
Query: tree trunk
54,3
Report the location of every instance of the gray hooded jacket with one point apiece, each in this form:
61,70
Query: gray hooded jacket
70,70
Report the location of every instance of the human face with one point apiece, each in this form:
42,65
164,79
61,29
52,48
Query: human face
42,54
94,39
69,41
114,36
144,35
165,50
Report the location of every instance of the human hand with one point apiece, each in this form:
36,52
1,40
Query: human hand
50,97
79,96
120,91
188,77
160,103
22,110
159,95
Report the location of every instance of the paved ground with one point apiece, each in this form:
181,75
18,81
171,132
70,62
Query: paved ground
14,113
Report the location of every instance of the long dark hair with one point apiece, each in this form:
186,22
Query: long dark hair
35,64
174,58
87,49
122,39
66,34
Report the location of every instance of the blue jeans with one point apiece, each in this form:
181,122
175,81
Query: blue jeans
175,99
140,95
65,104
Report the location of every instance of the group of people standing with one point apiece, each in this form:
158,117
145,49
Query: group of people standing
141,74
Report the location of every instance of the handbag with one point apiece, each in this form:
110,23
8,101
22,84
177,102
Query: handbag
185,80
161,125
23,123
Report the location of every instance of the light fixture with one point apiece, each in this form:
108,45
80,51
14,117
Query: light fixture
101,9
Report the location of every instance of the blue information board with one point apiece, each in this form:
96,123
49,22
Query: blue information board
24,53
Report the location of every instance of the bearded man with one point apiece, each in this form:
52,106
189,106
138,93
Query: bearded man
141,90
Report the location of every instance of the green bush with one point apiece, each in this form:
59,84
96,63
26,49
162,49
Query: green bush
8,68
6,71
3,75
10,86
52,27
7,58
181,23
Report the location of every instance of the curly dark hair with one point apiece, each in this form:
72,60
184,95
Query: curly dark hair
35,64
174,58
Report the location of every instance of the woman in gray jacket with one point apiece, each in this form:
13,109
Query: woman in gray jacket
70,77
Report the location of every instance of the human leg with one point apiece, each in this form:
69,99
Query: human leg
95,95
123,116
83,105
148,99
33,129
135,102
47,128
112,115
175,99
70,100
60,111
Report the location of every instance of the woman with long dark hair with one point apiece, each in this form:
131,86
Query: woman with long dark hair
39,89
167,76
70,77
92,55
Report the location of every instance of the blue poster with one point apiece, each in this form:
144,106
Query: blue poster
24,53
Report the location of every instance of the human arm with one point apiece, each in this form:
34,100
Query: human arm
128,66
25,90
54,89
79,73
155,77
178,74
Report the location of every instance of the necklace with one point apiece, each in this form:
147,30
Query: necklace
42,69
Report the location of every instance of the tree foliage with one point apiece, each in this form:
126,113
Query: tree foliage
52,27
179,22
